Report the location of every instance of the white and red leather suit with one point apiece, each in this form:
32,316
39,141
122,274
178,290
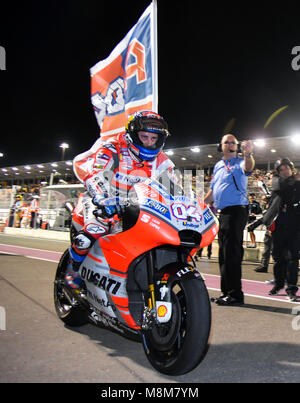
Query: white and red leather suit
115,170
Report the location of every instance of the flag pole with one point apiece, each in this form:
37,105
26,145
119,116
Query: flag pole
155,56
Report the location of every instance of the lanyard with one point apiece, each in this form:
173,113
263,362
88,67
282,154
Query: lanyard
227,166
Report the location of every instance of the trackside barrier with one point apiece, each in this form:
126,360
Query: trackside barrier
38,233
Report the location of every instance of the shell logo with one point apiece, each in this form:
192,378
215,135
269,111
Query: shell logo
162,311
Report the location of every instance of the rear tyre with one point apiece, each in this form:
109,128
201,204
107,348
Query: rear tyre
67,308
177,347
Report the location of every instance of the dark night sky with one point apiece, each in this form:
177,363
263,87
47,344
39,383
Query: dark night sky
222,62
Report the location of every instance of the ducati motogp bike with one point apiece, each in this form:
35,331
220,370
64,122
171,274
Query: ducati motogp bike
141,280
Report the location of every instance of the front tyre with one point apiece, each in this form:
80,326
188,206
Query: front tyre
67,309
178,346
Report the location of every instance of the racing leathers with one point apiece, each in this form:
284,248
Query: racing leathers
115,170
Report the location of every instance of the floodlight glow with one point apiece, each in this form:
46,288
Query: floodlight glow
296,139
260,143
64,145
170,152
195,149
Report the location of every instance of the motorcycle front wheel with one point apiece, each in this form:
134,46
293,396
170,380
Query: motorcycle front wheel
178,346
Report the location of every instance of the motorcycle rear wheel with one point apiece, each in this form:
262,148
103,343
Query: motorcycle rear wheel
71,313
178,346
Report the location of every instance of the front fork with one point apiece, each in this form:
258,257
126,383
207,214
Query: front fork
159,308
149,314
151,267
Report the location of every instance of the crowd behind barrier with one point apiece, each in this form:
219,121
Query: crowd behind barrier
50,212
37,206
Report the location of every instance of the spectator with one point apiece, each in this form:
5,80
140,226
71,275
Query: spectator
254,210
286,231
228,190
34,209
263,267
199,252
26,216
16,209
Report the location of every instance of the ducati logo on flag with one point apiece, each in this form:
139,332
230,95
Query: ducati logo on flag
125,82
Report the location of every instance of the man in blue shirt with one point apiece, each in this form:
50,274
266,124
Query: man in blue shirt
228,191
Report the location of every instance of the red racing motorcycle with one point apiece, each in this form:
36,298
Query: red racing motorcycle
141,280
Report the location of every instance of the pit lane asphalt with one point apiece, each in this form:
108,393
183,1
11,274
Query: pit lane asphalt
252,343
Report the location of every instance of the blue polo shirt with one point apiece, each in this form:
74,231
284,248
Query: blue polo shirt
225,193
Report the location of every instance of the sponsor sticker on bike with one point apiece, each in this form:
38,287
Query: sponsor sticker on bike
182,212
164,311
157,207
208,216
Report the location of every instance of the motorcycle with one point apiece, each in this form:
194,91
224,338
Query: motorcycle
141,280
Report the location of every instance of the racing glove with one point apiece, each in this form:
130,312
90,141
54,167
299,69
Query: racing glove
108,207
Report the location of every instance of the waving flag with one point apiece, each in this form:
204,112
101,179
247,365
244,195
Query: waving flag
123,83
126,81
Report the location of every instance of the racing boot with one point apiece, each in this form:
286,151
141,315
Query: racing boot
80,248
72,277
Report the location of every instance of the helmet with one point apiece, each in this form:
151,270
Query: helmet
283,161
149,122
19,197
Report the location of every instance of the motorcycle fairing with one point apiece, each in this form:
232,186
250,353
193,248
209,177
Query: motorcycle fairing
122,248
179,212
99,283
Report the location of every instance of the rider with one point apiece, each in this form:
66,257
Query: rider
119,163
